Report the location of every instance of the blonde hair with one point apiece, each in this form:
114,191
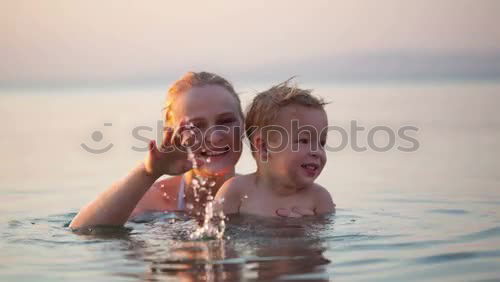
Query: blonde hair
196,79
265,107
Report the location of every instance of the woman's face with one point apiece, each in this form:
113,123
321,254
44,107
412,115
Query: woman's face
214,112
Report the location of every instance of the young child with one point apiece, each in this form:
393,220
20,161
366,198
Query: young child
287,129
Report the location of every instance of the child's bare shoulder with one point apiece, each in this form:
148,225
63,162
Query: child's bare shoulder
318,190
231,193
323,199
238,184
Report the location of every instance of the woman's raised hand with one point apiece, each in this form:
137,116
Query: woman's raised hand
171,156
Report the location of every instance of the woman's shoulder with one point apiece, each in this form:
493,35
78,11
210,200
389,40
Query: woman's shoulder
160,194
168,183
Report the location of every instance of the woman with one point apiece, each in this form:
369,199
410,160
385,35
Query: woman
210,104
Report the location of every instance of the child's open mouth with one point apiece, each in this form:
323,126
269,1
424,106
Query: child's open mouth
310,168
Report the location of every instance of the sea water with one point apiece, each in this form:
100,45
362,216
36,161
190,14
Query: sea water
431,214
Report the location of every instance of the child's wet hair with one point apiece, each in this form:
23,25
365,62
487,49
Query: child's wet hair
265,107
196,79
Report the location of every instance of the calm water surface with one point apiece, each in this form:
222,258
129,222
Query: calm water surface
431,214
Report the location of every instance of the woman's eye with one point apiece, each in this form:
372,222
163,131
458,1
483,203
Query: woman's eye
227,121
199,125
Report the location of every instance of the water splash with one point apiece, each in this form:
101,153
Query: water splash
213,225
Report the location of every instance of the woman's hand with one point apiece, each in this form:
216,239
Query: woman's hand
294,212
171,156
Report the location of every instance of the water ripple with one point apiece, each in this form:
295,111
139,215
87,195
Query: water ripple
442,258
481,235
449,211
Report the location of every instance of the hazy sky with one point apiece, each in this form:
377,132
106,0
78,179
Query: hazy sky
132,40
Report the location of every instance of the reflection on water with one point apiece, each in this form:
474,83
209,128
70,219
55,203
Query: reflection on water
350,245
252,249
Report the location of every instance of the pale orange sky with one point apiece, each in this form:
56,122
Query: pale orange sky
112,40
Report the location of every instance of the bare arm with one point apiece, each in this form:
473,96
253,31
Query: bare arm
114,206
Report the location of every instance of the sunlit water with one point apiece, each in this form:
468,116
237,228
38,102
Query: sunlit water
432,214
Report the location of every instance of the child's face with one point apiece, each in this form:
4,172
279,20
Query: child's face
298,161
